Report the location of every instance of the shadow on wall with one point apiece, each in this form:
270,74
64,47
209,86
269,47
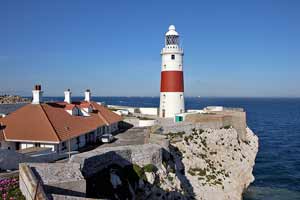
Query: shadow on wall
124,126
176,158
121,179
56,190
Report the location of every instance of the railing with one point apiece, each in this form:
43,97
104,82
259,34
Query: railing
172,50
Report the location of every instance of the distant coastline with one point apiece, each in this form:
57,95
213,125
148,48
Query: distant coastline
13,99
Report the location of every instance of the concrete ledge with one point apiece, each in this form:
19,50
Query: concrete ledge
29,184
93,161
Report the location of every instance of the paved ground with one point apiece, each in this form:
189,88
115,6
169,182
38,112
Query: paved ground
132,136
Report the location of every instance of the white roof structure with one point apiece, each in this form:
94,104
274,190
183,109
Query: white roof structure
172,31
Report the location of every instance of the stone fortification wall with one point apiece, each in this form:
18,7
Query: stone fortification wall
62,179
10,159
168,125
93,161
229,117
214,120
132,120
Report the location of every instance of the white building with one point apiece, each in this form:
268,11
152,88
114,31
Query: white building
55,125
172,85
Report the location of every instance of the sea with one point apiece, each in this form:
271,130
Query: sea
276,121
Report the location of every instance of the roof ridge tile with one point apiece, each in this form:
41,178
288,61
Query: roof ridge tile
50,123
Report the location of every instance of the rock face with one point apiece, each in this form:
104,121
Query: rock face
216,163
10,99
204,164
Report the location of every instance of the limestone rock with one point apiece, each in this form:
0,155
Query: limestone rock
217,164
150,177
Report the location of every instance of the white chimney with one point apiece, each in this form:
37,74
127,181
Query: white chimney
37,94
68,96
87,95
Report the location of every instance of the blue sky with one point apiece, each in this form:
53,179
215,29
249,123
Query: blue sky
232,48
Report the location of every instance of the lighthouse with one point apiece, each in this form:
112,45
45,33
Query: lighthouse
171,85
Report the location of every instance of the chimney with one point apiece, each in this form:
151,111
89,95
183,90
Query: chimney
87,95
68,96
37,94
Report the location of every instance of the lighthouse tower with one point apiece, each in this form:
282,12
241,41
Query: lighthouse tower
171,86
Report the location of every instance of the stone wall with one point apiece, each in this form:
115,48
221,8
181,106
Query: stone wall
93,161
10,159
55,178
215,120
29,184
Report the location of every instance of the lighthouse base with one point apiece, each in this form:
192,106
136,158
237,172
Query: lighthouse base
171,103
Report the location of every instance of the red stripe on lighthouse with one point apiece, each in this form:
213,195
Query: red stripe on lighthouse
171,81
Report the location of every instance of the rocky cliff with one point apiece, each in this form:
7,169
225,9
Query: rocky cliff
205,164
11,99
216,163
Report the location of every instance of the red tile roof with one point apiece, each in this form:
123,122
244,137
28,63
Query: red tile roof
49,122
85,104
1,136
69,107
1,133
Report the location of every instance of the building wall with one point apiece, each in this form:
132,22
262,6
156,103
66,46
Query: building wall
172,65
8,145
77,142
149,111
145,123
90,137
172,103
25,145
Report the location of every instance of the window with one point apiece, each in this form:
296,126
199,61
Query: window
163,113
63,146
172,40
78,140
173,57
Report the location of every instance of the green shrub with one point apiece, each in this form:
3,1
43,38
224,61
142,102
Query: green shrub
138,170
170,178
191,172
227,127
150,168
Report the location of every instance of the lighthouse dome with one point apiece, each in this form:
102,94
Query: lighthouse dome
172,30
171,27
